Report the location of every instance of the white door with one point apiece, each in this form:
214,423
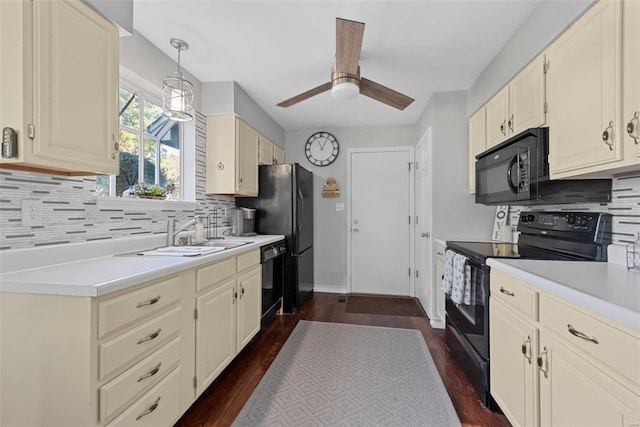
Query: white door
423,226
380,200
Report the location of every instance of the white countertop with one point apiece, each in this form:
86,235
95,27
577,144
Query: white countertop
603,287
104,274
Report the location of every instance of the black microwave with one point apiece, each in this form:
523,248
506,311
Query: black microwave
517,172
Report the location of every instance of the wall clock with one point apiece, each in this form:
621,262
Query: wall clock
321,148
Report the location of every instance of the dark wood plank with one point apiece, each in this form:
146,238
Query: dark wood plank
223,400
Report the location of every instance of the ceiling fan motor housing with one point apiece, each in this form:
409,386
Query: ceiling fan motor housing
345,86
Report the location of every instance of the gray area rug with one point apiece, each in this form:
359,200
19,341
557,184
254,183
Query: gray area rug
332,374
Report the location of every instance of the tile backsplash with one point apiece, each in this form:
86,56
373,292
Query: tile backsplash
71,213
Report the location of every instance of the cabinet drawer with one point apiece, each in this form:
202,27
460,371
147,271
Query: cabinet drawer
214,274
122,349
248,260
514,294
617,350
160,406
140,377
116,312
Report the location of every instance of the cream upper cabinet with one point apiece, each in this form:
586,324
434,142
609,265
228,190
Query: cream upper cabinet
278,155
583,87
497,111
476,144
266,151
518,106
60,88
631,79
232,157
527,98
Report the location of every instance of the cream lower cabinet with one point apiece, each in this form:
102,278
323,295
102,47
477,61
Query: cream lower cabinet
228,304
60,87
553,363
439,293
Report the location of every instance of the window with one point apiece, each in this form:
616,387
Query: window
149,148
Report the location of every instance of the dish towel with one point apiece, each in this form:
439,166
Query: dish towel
461,286
447,278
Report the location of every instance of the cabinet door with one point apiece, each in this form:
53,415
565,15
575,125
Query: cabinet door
75,86
265,156
583,84
496,110
247,161
513,370
526,98
215,333
477,137
631,76
278,155
249,306
439,294
574,392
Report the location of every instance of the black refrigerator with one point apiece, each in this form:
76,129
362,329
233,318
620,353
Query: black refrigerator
285,206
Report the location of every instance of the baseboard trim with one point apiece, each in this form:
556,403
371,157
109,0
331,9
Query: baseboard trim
330,289
437,323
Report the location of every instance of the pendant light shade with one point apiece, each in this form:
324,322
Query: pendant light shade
177,92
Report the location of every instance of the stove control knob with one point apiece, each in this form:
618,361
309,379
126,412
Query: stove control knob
571,219
530,218
582,221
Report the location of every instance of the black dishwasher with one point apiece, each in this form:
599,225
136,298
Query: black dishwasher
272,259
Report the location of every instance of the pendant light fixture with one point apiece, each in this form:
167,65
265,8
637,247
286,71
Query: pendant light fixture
177,92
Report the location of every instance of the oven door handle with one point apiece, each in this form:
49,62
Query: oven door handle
514,160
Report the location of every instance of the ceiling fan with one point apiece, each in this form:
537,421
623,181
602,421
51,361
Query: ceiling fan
346,82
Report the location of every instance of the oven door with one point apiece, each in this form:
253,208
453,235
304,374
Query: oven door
472,321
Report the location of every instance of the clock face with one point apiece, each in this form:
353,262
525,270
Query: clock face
321,148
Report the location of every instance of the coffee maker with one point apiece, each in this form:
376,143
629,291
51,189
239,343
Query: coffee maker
243,222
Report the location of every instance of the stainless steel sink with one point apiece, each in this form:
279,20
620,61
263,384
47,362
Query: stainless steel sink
226,244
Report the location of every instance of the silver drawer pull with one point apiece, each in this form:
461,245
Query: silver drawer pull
506,292
151,372
149,410
541,362
582,335
150,336
525,347
150,302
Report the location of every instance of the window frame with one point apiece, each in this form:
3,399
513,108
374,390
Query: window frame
144,96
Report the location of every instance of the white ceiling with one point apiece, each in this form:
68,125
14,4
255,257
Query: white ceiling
277,49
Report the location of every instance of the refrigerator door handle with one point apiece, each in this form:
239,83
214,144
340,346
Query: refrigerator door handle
301,217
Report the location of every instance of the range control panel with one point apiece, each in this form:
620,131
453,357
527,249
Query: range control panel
560,221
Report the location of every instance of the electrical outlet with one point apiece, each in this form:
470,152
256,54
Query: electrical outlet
31,212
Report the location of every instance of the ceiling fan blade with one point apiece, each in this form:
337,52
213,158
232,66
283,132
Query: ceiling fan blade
384,94
348,44
305,95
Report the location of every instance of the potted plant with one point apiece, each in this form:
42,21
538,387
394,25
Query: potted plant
148,191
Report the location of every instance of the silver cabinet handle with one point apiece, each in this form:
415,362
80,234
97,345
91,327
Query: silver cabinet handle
241,291
149,302
510,123
524,349
149,410
632,127
355,230
506,292
116,146
151,373
503,127
541,362
150,336
607,136
576,333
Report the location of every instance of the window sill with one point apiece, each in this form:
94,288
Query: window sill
146,204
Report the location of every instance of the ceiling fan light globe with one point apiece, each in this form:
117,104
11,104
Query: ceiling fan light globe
345,91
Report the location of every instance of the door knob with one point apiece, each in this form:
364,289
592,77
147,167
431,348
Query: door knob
355,230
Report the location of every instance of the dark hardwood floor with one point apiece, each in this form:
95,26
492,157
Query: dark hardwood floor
223,400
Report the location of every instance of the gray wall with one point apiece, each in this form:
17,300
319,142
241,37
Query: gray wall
229,98
545,24
330,226
455,215
118,11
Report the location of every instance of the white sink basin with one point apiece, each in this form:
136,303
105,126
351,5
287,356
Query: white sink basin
181,251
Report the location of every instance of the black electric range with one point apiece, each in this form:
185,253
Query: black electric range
567,236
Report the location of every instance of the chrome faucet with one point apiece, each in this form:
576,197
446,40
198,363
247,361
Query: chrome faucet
171,228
